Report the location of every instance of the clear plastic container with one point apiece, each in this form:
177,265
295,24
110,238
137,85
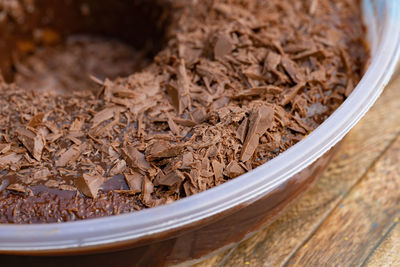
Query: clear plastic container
210,221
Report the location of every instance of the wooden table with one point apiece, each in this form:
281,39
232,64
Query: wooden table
351,216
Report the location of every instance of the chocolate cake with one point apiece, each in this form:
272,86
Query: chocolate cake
204,91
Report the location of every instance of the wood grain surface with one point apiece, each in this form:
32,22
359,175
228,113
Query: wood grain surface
351,216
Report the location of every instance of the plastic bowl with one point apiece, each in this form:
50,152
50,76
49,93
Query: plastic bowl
214,220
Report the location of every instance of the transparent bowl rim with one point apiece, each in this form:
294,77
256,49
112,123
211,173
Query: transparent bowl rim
106,231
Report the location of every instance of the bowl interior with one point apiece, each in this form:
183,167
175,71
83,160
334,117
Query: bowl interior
381,18
140,24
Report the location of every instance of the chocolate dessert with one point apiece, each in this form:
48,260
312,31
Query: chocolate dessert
109,107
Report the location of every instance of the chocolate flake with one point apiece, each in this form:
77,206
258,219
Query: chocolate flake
172,125
171,179
223,46
52,183
118,168
259,121
135,159
103,115
89,185
147,190
242,130
16,188
233,170
36,120
183,88
134,182
41,174
9,159
291,93
218,169
33,141
76,126
4,148
68,156
66,187
293,70
163,149
187,160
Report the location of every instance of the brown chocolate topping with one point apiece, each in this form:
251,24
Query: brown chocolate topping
236,84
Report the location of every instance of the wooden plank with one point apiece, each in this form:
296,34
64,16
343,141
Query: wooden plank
388,252
363,146
355,227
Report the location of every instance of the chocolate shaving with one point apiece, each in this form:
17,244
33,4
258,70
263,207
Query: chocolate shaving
183,88
293,70
89,185
66,187
234,170
218,169
76,126
36,120
16,188
4,148
223,46
42,174
147,190
9,159
187,160
134,181
259,121
68,156
33,141
185,122
103,115
174,97
259,91
242,130
272,61
52,184
172,179
135,159
290,94
162,149
118,168
172,125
